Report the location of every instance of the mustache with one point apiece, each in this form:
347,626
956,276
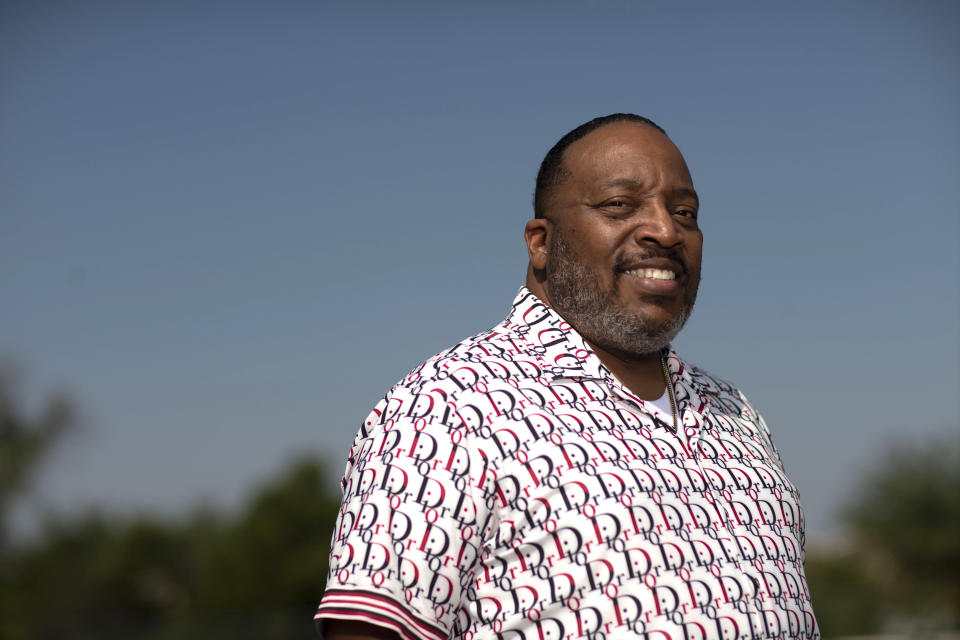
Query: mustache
672,254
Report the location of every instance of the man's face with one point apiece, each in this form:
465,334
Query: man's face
623,261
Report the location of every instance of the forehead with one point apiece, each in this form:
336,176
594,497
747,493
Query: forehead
626,151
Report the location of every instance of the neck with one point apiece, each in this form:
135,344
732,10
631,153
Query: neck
643,374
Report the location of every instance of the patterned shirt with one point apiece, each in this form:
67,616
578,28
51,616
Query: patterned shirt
512,488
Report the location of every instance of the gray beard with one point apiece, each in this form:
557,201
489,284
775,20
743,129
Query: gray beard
575,293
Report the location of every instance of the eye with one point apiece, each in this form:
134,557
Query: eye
616,207
686,213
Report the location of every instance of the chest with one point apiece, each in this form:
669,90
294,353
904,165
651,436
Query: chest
597,498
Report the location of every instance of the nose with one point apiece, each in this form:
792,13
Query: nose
656,224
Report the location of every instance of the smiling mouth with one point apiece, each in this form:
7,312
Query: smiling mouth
653,274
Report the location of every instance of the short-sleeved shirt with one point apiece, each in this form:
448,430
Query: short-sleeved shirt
511,487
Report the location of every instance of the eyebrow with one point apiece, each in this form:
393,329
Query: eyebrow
684,192
630,183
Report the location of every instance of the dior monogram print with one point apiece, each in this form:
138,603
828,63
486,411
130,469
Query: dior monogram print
512,488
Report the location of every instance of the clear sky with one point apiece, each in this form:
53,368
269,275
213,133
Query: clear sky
227,228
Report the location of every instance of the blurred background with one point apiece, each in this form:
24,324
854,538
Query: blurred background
227,228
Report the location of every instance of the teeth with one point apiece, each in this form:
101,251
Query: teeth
654,274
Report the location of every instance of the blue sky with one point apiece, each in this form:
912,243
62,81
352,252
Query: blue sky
227,228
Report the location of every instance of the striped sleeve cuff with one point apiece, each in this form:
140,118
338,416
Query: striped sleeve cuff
377,609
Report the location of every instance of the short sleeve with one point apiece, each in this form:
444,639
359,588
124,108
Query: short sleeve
407,536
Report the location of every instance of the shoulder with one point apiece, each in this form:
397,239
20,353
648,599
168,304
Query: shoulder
472,368
723,395
725,398
498,354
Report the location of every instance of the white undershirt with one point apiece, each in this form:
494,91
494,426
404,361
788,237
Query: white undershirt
662,403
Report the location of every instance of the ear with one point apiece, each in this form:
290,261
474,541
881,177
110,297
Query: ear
537,236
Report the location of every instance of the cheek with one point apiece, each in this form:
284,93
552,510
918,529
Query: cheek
694,252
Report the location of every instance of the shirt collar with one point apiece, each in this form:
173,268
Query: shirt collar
559,351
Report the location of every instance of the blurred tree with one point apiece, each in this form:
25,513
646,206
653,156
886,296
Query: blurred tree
24,440
899,571
905,519
95,578
276,556
259,575
846,599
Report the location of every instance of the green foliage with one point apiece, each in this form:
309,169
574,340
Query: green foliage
901,571
845,599
259,575
277,554
907,513
24,440
93,577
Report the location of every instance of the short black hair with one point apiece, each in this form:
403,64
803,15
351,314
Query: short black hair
552,172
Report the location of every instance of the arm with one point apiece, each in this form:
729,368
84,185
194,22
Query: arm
393,497
355,630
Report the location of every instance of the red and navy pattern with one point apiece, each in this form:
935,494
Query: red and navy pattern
512,488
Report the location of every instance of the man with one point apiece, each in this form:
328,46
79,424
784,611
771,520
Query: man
566,474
